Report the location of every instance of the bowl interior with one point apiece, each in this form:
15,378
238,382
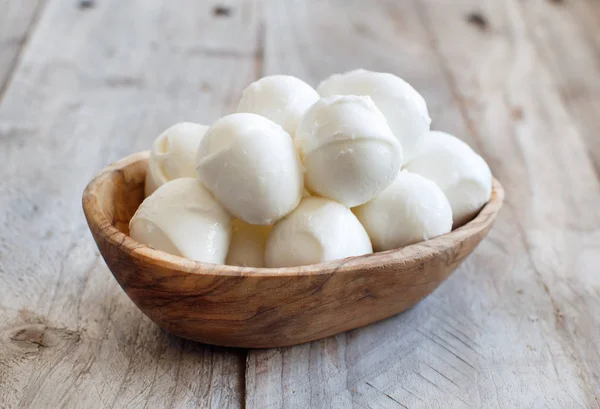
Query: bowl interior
120,197
112,198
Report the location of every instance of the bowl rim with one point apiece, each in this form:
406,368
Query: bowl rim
145,254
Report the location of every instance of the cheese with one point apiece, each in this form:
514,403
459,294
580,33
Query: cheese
247,248
182,218
461,173
281,98
404,108
410,210
173,155
317,230
251,166
348,150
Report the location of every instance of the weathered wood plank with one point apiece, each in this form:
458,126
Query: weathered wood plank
553,191
515,326
17,21
92,86
567,37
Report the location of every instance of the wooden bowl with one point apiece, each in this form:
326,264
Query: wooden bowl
259,307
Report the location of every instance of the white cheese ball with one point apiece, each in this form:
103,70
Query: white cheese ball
404,108
173,155
461,173
251,166
318,230
183,218
410,210
247,247
281,98
348,149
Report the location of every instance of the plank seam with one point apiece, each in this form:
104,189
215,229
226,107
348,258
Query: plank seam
449,77
19,55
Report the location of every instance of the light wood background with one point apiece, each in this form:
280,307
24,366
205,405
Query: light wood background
517,326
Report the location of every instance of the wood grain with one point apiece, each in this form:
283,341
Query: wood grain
259,307
513,326
94,85
566,37
17,22
552,205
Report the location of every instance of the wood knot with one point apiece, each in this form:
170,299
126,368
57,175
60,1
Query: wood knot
362,29
478,20
516,113
32,337
86,4
30,334
221,11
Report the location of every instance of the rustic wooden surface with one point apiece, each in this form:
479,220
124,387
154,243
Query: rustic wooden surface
516,326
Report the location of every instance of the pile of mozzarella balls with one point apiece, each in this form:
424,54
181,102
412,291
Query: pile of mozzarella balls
300,176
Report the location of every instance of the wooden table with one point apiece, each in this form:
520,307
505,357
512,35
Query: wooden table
517,326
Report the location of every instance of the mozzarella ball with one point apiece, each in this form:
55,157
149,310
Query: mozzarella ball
251,166
410,210
173,155
281,98
404,108
348,149
247,248
461,173
183,218
317,230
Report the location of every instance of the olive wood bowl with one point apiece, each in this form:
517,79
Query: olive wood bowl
265,307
